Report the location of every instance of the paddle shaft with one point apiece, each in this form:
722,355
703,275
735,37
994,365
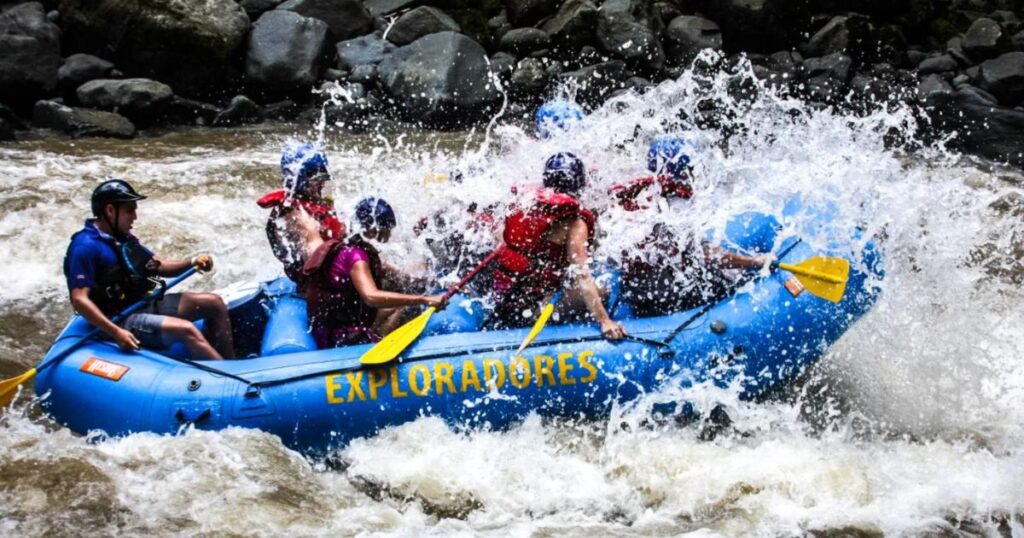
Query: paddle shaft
469,276
119,317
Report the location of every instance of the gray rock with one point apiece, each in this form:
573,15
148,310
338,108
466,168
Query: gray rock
955,49
836,35
286,53
420,22
638,84
335,74
191,45
29,54
141,100
913,58
686,36
182,111
440,79
81,122
757,24
961,79
255,8
527,12
826,77
665,12
345,18
11,118
503,64
596,82
785,62
982,127
529,78
938,64
366,50
240,110
1018,40
78,69
985,39
624,31
931,84
386,7
524,40
574,25
6,130
1004,78
281,110
364,74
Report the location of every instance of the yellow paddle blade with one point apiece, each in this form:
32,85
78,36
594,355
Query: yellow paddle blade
9,387
822,276
545,315
395,343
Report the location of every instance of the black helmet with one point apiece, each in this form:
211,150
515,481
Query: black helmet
113,191
564,173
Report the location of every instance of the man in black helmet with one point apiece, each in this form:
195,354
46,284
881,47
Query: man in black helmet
107,270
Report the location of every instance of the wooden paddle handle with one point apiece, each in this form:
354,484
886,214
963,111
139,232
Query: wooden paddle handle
469,276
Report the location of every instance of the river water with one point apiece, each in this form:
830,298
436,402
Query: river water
912,424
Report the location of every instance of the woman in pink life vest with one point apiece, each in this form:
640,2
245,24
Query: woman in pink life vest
547,241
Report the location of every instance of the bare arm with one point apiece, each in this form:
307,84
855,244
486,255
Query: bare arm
731,260
82,304
378,298
579,268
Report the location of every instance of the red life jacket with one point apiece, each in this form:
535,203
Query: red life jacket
528,260
280,204
336,311
627,193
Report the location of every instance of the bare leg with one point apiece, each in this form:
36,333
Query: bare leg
210,307
182,330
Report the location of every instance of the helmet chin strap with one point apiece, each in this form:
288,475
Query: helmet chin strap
113,226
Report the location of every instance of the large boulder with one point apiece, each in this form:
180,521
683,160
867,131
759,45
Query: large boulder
523,41
757,25
78,69
346,18
938,64
379,8
286,53
826,77
574,25
141,100
255,8
858,37
624,30
526,12
240,110
985,39
441,79
420,22
982,127
29,54
192,45
366,50
81,122
596,82
1003,77
686,36
529,78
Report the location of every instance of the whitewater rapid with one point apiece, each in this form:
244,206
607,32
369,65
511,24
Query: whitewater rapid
910,425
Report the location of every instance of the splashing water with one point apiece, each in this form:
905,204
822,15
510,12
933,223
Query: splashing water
911,423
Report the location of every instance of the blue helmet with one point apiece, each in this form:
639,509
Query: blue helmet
299,163
564,173
668,155
555,117
372,212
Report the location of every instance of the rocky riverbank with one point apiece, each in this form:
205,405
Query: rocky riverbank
113,68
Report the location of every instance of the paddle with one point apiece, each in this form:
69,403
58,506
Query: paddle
822,276
8,387
395,343
538,326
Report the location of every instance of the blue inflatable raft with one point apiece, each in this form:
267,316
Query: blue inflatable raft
760,338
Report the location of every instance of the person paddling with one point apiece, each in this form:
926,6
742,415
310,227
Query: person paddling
304,169
547,239
344,301
108,269
666,272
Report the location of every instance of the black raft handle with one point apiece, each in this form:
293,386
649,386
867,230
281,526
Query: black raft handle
202,417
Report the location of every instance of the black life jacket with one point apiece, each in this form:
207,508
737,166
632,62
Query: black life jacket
126,283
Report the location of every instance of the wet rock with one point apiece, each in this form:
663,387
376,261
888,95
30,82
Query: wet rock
785,62
526,12
364,74
686,36
29,54
335,74
286,53
386,7
141,100
441,79
982,127
503,64
345,18
529,78
255,8
574,24
913,58
81,122
938,64
932,84
78,69
1004,77
420,22
985,39
638,84
366,50
182,111
280,110
191,45
757,25
1018,40
6,130
955,49
240,110
596,82
624,31
11,118
826,77
837,35
524,40
665,12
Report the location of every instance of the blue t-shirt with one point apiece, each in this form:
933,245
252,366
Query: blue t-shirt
89,255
